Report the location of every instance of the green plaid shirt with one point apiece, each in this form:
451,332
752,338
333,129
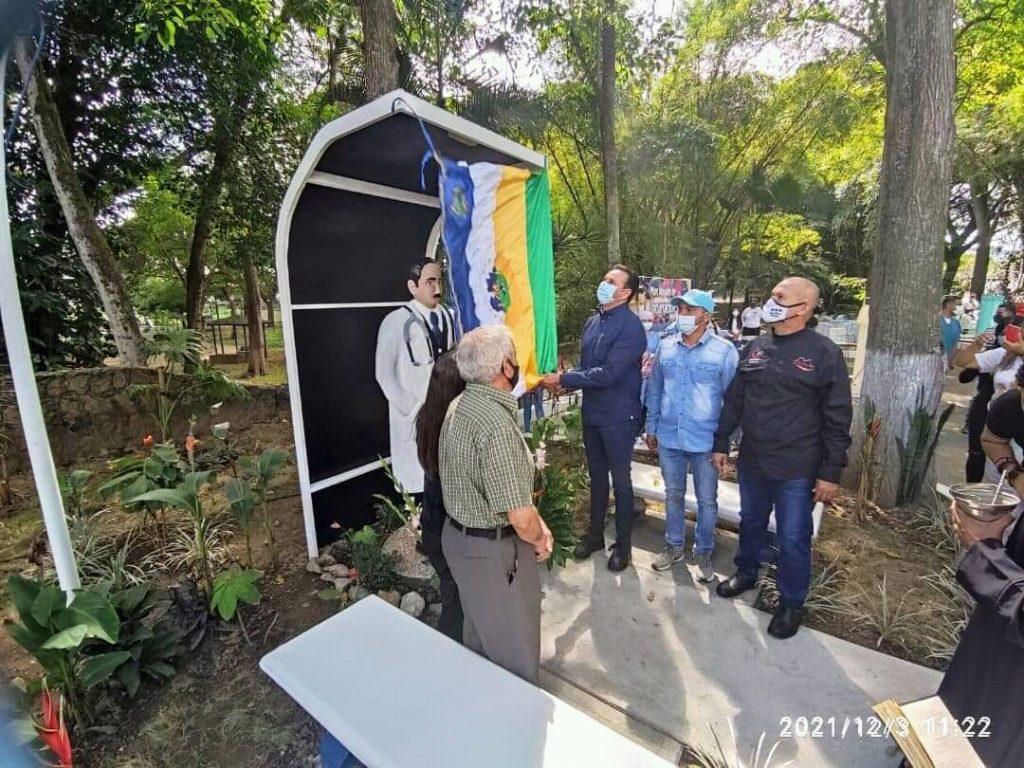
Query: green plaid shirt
486,468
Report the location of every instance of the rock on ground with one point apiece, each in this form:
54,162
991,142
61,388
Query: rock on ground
413,604
412,566
390,596
325,560
339,570
358,593
312,565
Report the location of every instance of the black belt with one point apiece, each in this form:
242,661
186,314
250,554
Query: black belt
483,533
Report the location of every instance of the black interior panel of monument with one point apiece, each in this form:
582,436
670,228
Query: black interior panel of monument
344,412
389,153
347,248
350,504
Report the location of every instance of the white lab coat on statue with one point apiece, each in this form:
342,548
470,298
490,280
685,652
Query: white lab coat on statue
403,365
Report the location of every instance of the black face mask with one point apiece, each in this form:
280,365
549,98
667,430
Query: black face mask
514,379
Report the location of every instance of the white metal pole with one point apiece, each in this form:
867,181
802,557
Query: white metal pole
29,408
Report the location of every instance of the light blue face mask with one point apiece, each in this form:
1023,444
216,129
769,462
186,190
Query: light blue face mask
606,293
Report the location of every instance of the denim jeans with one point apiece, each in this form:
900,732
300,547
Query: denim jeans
610,449
532,401
674,466
793,501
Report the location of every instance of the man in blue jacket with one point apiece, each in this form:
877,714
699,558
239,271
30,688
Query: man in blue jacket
609,376
692,371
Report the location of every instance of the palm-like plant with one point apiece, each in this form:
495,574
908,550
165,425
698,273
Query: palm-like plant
249,490
186,497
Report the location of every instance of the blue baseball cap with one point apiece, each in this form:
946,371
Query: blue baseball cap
696,298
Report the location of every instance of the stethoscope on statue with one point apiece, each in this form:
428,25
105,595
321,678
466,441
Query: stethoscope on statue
415,318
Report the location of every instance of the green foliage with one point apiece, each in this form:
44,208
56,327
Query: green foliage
147,645
376,569
242,506
133,476
73,487
233,587
54,633
557,487
187,498
257,473
917,450
393,514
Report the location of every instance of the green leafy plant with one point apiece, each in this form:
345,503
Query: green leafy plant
257,472
392,513
186,497
73,487
151,641
6,440
556,489
233,587
54,633
222,451
242,506
917,451
375,569
133,476
175,350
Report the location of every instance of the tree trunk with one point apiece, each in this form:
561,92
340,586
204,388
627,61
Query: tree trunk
379,51
609,153
254,317
195,272
983,244
90,241
904,361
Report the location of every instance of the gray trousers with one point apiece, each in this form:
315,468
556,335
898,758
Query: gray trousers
502,620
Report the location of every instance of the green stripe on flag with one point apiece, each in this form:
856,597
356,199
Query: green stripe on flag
541,260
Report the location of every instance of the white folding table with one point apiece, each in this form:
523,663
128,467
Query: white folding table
398,694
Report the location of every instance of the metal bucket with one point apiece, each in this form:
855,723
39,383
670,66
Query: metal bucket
976,500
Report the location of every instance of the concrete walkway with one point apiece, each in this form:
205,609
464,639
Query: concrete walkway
669,659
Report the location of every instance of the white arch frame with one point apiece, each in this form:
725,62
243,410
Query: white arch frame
377,110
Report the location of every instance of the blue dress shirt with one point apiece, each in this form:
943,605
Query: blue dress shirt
686,391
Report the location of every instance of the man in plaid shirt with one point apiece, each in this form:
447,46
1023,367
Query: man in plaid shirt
494,536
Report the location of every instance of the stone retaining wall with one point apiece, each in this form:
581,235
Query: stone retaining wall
90,413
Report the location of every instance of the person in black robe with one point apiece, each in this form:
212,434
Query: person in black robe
985,680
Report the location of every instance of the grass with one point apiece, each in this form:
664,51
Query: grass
277,374
884,614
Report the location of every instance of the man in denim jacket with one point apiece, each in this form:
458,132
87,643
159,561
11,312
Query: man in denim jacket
692,370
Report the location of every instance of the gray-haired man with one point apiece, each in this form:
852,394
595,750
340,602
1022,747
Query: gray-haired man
494,536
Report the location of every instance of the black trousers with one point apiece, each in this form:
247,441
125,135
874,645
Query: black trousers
977,412
432,522
610,451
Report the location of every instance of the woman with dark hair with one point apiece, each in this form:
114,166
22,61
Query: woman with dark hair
445,385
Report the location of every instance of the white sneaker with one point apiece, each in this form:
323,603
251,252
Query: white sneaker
668,557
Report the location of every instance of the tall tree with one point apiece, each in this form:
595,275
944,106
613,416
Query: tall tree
380,52
606,112
90,241
904,366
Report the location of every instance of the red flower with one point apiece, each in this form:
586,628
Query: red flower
51,729
353,573
147,441
191,443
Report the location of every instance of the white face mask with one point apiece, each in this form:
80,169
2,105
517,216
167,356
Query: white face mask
773,312
686,324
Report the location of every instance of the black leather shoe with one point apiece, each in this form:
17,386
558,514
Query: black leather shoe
619,559
586,547
736,584
785,622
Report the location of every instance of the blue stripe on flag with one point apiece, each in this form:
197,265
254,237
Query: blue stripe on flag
457,209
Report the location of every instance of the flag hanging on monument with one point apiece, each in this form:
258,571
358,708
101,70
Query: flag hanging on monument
497,231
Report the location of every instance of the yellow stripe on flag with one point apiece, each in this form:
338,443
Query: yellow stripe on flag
510,260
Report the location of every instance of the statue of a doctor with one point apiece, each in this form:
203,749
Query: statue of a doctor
410,339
